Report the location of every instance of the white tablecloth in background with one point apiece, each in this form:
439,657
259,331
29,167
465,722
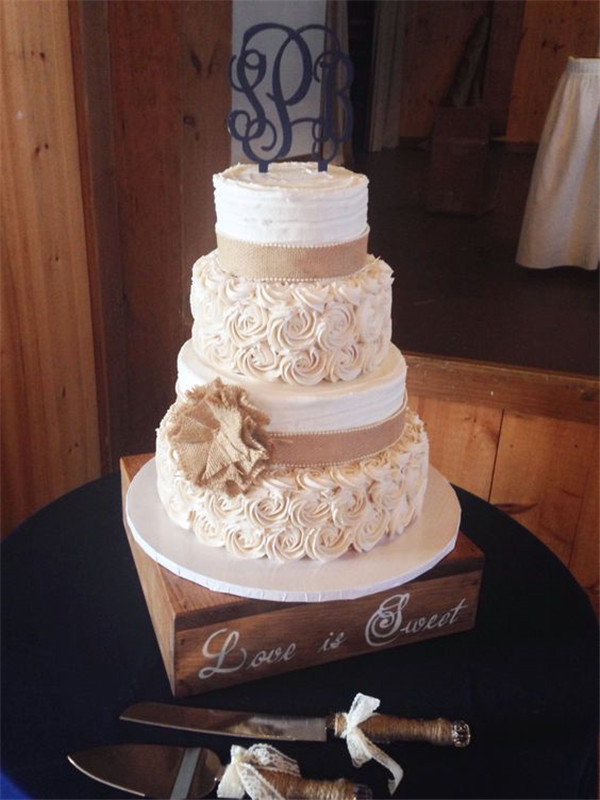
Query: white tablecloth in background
561,225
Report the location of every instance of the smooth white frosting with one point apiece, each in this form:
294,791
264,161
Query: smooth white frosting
318,513
325,407
292,203
298,332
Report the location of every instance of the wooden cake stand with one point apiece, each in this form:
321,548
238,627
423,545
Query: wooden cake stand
221,621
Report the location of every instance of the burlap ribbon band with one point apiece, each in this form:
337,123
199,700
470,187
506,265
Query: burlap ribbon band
335,447
287,262
222,443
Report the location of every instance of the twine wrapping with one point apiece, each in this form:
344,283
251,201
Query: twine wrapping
264,773
290,262
440,731
387,728
362,749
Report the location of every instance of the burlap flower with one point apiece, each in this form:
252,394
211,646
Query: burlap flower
219,437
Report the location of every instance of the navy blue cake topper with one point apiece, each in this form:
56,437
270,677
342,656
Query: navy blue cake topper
262,140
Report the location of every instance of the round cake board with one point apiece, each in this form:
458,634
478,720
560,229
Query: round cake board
422,545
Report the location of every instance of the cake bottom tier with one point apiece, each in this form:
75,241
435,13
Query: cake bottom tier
316,512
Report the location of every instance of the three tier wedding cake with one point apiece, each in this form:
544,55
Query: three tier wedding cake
291,436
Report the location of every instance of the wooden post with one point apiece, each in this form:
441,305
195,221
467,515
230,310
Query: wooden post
153,99
50,440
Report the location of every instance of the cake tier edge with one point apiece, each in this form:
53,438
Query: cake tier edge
322,408
314,512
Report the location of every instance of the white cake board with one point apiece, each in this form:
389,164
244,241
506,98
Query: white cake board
423,544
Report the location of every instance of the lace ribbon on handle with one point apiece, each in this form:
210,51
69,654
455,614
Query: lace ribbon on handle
360,747
242,773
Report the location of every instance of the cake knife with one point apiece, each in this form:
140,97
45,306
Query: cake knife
378,728
187,773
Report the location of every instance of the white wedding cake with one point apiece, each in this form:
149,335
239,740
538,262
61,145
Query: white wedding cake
291,436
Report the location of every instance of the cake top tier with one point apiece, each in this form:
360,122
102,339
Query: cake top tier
293,204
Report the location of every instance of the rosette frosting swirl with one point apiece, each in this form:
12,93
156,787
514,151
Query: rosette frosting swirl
299,332
311,512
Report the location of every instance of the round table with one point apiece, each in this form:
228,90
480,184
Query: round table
78,647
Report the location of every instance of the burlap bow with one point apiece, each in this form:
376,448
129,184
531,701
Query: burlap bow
219,438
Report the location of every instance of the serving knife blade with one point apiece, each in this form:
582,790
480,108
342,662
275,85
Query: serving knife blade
151,770
188,773
379,727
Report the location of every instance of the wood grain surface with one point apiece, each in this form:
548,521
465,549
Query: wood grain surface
527,391
524,440
93,101
542,477
211,639
50,441
435,35
552,30
206,145
146,92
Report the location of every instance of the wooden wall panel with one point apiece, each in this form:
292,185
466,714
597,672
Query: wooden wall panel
585,553
541,476
153,97
91,71
530,42
462,441
524,440
49,412
145,73
553,30
435,36
114,124
529,391
169,100
505,36
206,147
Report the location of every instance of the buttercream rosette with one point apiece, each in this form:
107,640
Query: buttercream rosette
299,332
315,512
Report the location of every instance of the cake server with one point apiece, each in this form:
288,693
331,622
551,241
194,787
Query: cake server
164,771
378,728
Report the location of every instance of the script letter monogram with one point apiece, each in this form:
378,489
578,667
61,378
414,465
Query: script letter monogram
265,131
325,129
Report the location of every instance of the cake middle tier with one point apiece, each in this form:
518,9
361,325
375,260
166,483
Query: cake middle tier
346,463
299,332
328,407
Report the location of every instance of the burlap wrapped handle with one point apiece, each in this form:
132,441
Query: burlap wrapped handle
386,728
291,786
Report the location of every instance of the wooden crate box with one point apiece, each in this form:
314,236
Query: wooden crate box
210,640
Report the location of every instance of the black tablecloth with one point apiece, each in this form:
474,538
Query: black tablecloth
78,646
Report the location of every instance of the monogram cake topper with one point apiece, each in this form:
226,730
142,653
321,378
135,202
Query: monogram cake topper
272,98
